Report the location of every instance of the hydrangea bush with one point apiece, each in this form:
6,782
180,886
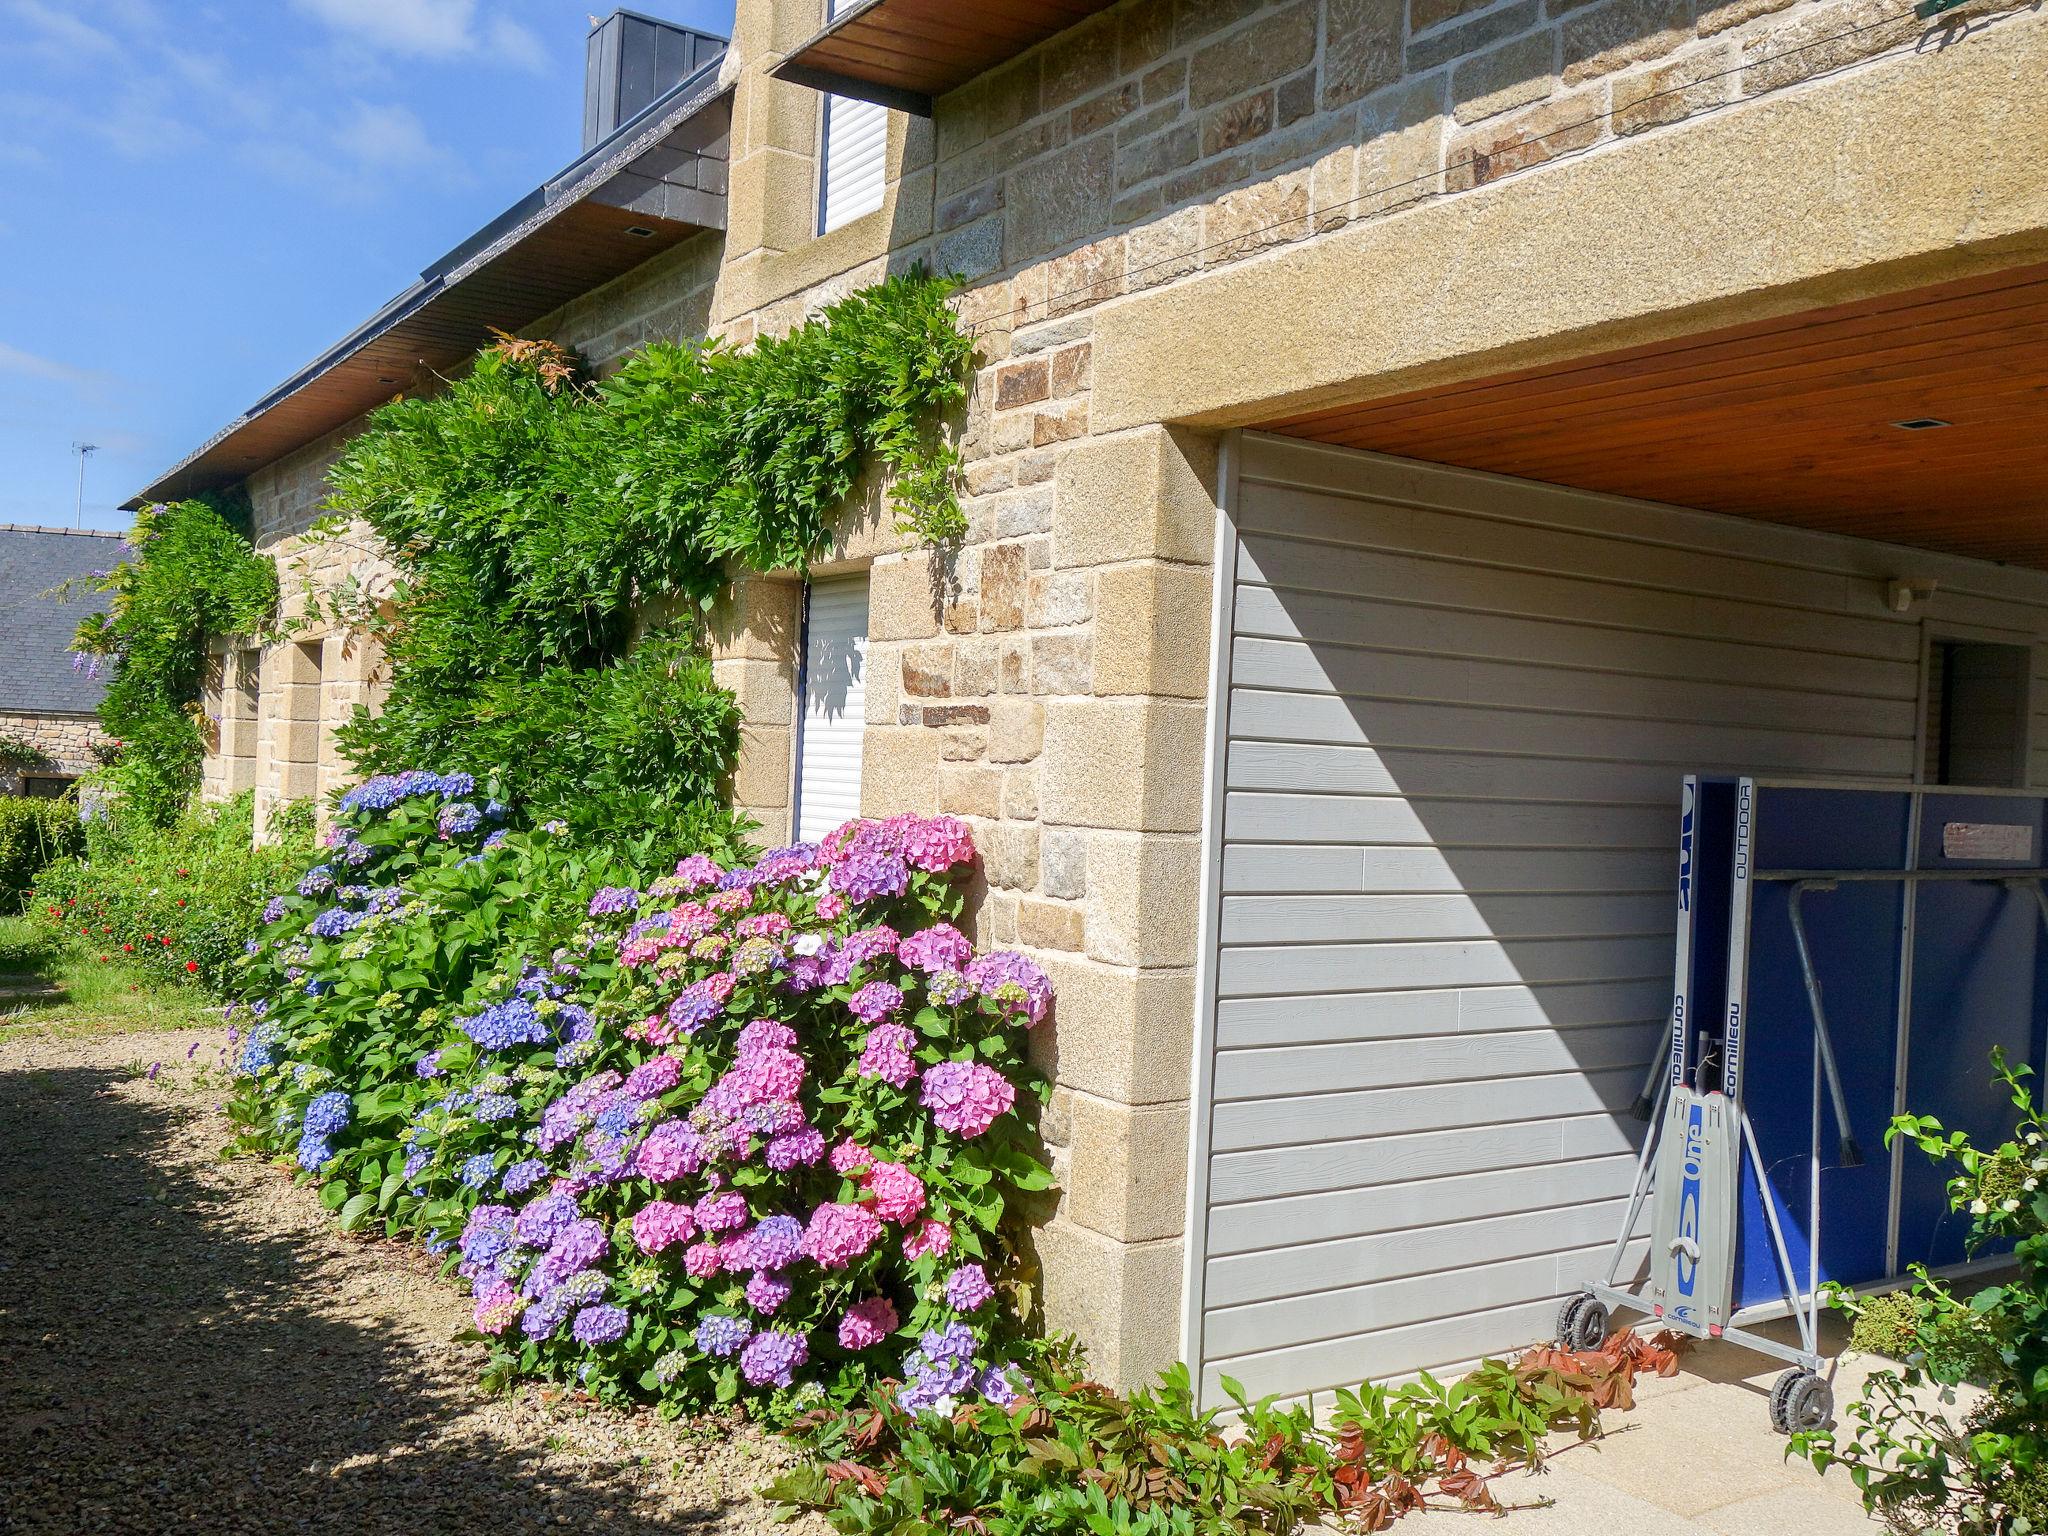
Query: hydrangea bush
744,1130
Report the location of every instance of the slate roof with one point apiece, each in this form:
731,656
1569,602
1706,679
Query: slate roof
35,631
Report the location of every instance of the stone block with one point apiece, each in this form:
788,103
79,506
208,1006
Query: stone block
1237,122
1280,42
1152,630
1255,217
1063,863
1061,664
1144,160
1613,35
1144,33
1062,198
1070,368
1501,79
1470,36
1023,383
974,668
1050,925
764,690
1818,40
902,604
1133,1165
761,776
1714,19
1164,249
758,619
770,203
1364,48
928,671
1059,426
971,790
1103,110
1693,83
1124,764
1020,794
1082,59
1144,898
1016,730
899,772
1147,493
1526,138
974,251
1012,96
1127,1035
1005,577
1009,855
1121,1300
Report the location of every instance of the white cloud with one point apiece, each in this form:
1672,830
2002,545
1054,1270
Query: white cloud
28,365
384,134
428,29
55,32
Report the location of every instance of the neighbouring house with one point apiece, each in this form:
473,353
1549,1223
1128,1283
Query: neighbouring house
49,700
1408,438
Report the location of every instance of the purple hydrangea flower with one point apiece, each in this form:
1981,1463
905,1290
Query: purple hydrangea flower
720,1336
601,1324
772,1358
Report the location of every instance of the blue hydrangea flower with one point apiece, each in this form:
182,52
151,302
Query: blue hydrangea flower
453,786
317,881
314,1152
523,1175
259,1050
493,1107
478,1171
504,1025
273,909
334,922
329,1114
602,1324
720,1336
458,819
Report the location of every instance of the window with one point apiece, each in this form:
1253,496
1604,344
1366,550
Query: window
1977,702
834,705
855,164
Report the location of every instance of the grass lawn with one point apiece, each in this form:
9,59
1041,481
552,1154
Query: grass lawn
59,983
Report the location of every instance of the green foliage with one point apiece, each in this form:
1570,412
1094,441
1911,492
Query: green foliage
18,751
192,575
1076,1459
182,899
532,514
1919,1464
33,833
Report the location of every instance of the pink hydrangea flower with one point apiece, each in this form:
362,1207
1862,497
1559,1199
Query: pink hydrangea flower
762,1034
839,1234
651,1079
702,1260
850,1157
697,871
936,843
1012,982
762,925
756,1077
497,1306
867,1323
967,1288
662,1224
671,1151
766,1292
941,947
886,1055
930,1236
725,1212
898,1193
794,1149
966,1097
831,906
875,1001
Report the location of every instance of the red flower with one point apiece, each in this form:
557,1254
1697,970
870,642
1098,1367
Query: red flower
191,965
181,901
103,959
167,941
130,948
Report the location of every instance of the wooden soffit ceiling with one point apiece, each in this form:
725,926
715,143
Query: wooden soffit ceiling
907,53
1792,420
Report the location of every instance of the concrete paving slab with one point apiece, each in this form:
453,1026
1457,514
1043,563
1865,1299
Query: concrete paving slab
1819,1509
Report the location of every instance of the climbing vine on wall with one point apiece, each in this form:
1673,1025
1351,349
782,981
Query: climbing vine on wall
190,574
535,516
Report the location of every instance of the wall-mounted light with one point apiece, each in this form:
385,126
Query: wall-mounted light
1901,592
639,231
1921,424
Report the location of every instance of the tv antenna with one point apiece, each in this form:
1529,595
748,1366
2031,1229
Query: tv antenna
83,450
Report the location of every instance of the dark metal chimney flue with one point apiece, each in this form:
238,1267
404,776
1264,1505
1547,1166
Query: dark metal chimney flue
631,60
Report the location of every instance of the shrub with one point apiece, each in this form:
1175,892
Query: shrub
191,575
533,515
748,1131
33,834
1072,1458
182,899
1917,1466
18,751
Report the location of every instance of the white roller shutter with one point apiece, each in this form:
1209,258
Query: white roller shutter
835,707
856,161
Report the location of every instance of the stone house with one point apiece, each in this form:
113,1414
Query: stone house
47,703
1409,435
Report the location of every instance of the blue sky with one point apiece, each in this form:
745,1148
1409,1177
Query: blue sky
198,196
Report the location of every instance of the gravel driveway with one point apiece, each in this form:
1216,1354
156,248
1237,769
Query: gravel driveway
188,1345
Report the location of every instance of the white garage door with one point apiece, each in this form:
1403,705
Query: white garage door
835,705
1458,711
